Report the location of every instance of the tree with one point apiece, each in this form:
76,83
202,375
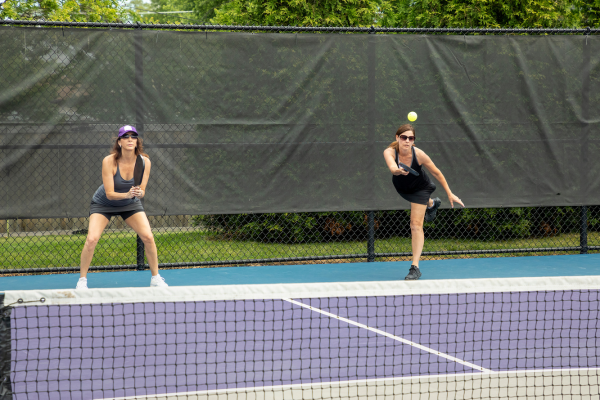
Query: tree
405,13
164,11
65,10
589,12
482,13
388,13
297,13
204,10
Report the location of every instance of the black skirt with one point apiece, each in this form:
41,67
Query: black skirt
421,196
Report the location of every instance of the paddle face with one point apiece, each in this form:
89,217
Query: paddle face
406,168
138,171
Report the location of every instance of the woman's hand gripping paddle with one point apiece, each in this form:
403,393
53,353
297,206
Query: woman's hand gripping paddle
401,165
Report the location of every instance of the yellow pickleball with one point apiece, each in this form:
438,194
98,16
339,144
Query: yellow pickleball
412,116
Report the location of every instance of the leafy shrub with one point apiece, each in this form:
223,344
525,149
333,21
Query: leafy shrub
478,224
287,227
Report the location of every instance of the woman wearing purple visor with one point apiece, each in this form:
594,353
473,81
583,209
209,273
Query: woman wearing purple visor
118,196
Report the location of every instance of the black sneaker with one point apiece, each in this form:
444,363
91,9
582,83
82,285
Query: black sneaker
413,274
431,212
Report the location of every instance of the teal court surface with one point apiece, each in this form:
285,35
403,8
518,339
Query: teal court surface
474,268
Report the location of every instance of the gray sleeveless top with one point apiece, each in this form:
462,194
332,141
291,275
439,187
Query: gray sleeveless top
121,186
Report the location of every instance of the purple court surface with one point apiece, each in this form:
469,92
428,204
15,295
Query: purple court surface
97,351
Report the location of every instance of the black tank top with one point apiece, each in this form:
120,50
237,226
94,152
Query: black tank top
411,183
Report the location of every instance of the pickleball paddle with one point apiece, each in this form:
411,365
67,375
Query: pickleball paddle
407,168
138,170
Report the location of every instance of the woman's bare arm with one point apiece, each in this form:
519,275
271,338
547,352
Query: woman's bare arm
426,161
389,155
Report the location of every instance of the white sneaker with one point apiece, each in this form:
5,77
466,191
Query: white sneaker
82,283
158,281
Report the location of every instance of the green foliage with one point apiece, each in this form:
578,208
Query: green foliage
589,12
406,13
65,10
508,223
297,13
136,8
168,7
398,13
483,224
204,10
287,227
165,11
481,13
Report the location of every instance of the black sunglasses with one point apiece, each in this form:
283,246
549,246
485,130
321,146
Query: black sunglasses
129,136
410,138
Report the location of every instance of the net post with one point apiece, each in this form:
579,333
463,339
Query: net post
371,240
583,242
5,358
138,45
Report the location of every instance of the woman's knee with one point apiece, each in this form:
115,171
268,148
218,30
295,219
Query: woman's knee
91,241
416,225
147,237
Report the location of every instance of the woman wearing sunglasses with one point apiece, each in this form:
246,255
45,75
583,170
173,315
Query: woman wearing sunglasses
416,189
117,196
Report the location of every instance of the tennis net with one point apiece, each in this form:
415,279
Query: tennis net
447,339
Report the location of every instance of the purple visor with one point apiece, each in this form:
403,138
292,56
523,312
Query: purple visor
126,129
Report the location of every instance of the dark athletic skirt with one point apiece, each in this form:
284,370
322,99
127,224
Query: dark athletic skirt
124,211
421,196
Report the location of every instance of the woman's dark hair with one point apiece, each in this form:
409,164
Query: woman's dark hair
401,130
116,149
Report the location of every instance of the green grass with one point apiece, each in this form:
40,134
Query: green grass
119,248
398,245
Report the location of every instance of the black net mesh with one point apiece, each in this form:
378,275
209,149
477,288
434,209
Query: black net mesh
488,344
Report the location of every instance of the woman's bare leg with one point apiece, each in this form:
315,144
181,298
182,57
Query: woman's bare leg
140,224
417,216
98,223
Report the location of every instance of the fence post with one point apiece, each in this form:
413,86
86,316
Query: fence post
139,117
584,156
371,110
583,242
371,240
140,254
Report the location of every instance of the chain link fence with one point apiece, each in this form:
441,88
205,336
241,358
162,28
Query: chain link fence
79,128
52,245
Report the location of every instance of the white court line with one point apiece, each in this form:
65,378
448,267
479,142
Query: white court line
370,382
398,338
